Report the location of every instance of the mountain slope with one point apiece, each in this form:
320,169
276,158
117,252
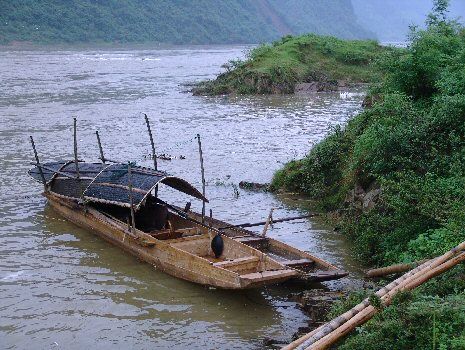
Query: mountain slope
172,21
390,19
323,17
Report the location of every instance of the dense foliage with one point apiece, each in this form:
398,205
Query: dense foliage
411,144
409,150
278,67
171,21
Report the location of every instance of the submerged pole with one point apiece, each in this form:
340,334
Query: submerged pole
38,164
102,157
203,176
131,200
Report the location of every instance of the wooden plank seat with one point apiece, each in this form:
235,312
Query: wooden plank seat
173,234
250,239
235,262
165,234
268,275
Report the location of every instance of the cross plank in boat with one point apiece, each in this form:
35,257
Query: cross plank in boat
238,261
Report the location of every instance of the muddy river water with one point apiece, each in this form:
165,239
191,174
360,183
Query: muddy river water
61,287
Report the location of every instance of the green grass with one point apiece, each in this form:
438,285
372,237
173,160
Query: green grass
278,67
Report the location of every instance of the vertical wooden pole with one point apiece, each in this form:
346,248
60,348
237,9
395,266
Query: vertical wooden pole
76,157
102,157
131,200
75,150
269,220
203,176
38,164
154,156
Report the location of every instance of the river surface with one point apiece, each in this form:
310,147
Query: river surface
62,287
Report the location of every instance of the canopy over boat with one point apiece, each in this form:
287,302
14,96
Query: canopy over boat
112,185
108,184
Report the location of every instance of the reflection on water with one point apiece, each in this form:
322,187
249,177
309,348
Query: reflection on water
63,287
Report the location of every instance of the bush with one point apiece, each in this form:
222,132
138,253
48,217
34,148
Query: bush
411,143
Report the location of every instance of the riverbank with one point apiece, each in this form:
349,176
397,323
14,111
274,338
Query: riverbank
307,63
393,181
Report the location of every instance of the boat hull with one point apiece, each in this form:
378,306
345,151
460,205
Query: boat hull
162,255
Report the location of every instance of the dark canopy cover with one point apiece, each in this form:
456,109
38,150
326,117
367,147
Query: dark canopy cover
110,183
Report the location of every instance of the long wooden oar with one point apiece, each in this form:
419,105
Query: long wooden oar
261,223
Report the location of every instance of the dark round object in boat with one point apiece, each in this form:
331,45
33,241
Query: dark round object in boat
217,245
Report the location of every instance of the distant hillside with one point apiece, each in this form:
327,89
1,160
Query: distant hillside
324,17
173,21
390,19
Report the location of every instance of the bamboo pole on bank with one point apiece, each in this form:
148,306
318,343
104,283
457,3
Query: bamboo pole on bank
392,269
370,311
324,330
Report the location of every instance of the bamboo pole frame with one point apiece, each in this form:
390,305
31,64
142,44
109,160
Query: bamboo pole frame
102,157
131,199
75,148
154,155
152,143
76,160
38,163
202,170
268,222
55,171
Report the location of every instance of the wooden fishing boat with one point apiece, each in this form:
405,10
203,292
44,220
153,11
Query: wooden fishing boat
119,202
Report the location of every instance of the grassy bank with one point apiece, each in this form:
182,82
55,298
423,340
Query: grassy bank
394,179
278,67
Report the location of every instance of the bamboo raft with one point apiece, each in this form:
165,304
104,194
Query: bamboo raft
120,203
